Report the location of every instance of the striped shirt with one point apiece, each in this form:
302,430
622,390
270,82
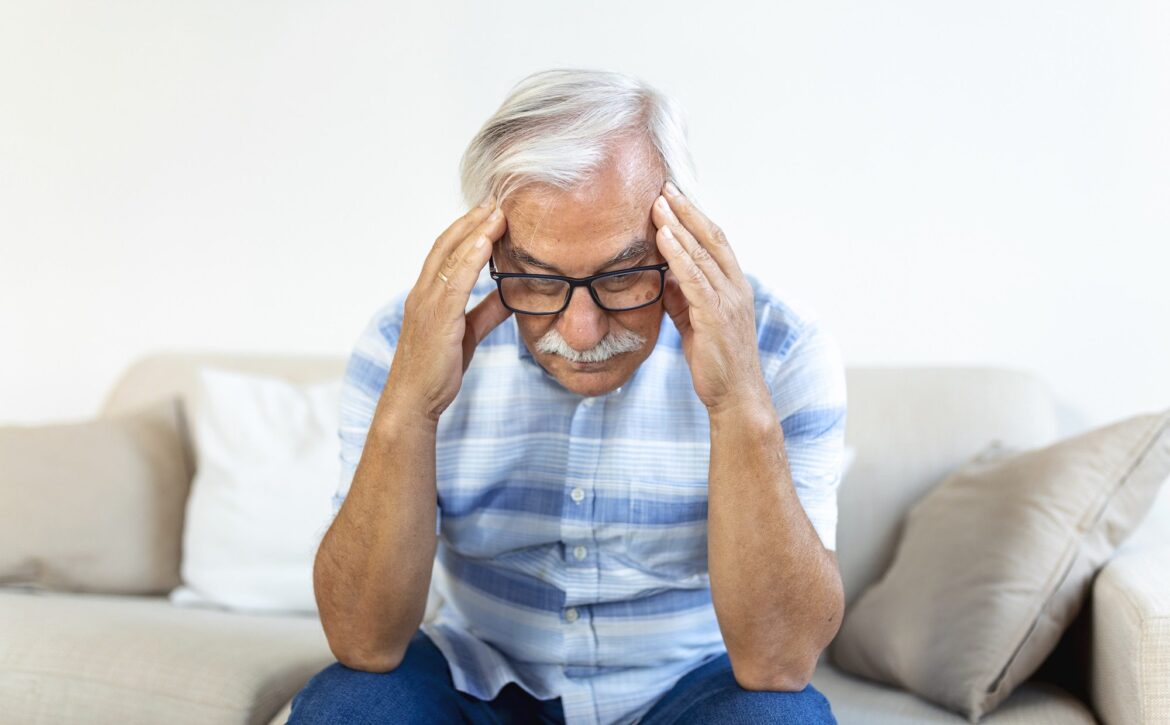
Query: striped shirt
572,529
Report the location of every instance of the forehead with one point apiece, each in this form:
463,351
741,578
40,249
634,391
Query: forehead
579,229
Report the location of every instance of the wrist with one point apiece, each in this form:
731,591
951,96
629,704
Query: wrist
399,410
752,411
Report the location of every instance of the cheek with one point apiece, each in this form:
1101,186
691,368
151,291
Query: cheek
645,321
532,328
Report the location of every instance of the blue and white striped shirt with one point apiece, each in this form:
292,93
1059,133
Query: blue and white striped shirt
573,530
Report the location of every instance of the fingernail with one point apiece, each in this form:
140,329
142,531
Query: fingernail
671,188
494,215
487,202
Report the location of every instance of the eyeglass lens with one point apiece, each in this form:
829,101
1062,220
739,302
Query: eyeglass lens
616,292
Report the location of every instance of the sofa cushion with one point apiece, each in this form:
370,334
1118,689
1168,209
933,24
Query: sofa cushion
996,561
129,659
95,506
911,427
855,700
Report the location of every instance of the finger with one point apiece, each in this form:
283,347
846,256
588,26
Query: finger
481,320
452,236
707,231
691,278
462,265
663,216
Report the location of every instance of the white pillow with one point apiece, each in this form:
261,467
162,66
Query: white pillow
267,454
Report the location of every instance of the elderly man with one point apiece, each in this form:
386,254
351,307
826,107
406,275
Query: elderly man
623,449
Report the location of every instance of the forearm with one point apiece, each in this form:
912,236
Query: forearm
776,589
373,567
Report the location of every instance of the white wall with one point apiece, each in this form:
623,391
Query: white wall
944,183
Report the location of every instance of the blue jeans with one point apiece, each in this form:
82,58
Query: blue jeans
420,690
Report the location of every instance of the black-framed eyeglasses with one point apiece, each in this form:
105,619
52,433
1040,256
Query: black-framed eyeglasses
548,294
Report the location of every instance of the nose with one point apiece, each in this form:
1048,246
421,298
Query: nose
582,324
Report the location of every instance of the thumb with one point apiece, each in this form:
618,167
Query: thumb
481,320
675,301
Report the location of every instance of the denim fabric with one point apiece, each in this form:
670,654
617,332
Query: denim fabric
420,690
709,694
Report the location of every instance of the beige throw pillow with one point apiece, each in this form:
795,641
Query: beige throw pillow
94,506
994,563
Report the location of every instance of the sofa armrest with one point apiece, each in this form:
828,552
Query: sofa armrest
1129,670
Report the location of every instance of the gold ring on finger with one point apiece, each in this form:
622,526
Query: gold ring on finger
443,277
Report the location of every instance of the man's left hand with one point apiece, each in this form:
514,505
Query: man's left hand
711,303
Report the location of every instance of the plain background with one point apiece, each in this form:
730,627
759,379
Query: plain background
942,183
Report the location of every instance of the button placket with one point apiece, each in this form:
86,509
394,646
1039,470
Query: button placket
581,580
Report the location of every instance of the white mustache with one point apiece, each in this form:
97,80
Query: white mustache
614,343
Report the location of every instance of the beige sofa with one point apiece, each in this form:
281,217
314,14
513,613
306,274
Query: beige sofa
70,658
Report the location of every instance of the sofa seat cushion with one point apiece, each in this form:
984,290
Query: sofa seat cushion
856,700
97,658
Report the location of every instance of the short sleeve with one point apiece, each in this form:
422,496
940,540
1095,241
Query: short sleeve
365,377
808,391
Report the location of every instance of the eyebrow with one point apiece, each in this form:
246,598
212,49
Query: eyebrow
637,248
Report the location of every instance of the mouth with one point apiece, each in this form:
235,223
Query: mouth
589,365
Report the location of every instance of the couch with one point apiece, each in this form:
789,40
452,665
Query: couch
67,657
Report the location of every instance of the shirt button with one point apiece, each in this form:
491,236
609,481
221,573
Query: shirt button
571,614
579,552
577,494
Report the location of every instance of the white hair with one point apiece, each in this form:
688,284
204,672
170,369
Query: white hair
557,127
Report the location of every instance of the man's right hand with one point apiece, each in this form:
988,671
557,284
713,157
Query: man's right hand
439,335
